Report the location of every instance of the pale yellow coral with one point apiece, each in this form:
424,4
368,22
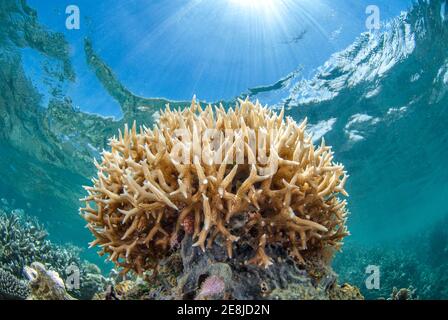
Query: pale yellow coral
153,180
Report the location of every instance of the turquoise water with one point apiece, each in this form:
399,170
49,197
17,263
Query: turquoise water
381,102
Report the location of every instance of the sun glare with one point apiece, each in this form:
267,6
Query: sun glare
254,4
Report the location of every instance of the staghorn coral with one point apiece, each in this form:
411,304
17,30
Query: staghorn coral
284,191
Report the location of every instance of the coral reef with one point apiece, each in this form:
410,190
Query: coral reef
418,263
398,268
204,274
91,281
403,294
346,292
190,273
436,242
145,197
23,240
12,288
45,284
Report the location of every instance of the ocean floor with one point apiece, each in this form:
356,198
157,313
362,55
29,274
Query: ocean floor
58,272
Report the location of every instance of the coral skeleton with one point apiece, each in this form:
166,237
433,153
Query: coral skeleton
154,185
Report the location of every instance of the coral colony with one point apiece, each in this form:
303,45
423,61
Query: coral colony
219,176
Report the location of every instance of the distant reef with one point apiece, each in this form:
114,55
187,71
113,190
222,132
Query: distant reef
23,241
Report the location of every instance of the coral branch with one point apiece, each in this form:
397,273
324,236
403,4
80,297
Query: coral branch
266,180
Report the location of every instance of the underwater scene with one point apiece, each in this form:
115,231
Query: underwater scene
225,149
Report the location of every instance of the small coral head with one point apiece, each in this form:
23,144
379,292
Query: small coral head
211,287
201,169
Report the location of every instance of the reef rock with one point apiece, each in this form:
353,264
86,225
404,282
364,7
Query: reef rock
45,284
403,294
212,275
190,273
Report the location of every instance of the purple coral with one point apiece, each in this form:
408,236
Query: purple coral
211,287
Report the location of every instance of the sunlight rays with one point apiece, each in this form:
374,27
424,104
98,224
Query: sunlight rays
254,4
224,46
